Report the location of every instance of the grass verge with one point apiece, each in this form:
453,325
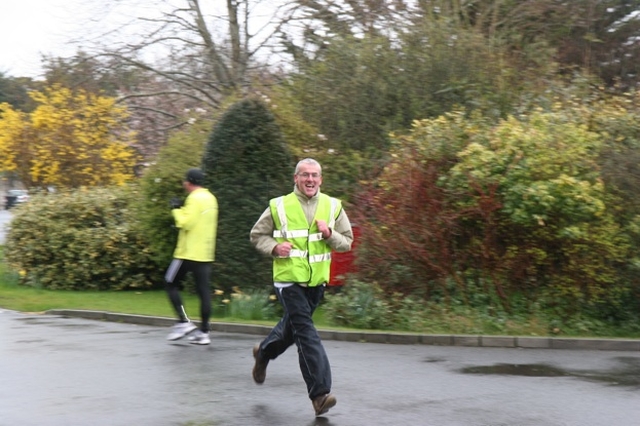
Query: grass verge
20,298
155,303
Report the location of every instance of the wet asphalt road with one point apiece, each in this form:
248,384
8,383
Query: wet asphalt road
60,371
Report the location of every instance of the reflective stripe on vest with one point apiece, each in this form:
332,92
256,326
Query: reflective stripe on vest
291,234
310,258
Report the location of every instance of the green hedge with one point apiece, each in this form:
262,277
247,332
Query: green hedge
86,239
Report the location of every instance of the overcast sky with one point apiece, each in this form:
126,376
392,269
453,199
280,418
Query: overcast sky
32,28
29,28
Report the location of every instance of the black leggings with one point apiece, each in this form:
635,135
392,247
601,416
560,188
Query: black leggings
202,275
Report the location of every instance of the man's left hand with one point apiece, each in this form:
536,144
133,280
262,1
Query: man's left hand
323,228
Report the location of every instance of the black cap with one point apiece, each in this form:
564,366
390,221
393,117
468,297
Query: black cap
195,176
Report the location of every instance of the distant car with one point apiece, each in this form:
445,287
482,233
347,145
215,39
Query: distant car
15,196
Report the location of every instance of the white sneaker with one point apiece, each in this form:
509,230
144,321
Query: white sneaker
200,338
180,330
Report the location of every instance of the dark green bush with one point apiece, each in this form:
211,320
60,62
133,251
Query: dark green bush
246,163
87,239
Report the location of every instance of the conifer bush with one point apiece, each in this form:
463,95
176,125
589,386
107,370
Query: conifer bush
246,163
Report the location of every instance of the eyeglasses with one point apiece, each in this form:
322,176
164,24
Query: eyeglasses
306,175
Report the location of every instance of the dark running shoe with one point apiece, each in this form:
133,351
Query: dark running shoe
260,367
323,403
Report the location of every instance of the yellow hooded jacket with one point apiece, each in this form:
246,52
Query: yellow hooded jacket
197,221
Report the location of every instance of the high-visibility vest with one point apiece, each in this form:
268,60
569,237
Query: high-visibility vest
310,258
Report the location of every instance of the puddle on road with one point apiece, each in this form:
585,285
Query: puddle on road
531,370
34,320
45,321
625,373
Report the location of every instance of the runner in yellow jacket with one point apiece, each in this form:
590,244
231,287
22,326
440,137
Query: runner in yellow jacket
197,222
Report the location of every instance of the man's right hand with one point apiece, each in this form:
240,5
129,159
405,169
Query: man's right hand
282,249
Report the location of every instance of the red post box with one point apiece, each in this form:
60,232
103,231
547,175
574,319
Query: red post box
343,263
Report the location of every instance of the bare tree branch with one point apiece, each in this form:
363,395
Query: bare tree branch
154,110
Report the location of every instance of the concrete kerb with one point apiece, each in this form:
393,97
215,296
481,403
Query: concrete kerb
382,337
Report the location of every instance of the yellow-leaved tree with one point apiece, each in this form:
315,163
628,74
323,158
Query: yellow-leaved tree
71,139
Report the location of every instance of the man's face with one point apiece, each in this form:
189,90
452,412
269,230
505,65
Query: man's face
308,179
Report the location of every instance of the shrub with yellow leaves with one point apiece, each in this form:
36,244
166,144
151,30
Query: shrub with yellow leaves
71,139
